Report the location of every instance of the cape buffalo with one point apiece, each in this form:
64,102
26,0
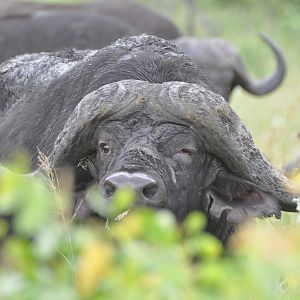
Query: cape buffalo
51,31
141,17
140,114
223,66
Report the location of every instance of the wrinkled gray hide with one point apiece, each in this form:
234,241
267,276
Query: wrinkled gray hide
24,76
222,64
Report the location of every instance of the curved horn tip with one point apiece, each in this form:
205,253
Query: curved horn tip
269,41
290,207
268,84
264,36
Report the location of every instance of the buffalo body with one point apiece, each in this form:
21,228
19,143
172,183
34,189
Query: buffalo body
51,31
223,66
141,17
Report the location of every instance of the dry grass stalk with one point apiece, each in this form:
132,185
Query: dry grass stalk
50,173
122,215
53,181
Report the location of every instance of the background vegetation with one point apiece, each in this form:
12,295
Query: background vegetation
273,119
138,254
146,255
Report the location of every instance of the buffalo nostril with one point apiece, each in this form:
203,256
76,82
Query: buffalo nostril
141,183
109,189
150,190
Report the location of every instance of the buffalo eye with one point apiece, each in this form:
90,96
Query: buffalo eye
184,155
186,151
104,148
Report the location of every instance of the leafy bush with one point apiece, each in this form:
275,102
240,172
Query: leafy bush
140,254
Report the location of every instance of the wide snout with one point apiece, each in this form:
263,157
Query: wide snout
149,191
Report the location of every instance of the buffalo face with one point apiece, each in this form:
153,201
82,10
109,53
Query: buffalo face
165,163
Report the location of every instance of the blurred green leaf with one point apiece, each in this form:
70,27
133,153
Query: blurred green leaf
3,228
36,211
120,202
194,223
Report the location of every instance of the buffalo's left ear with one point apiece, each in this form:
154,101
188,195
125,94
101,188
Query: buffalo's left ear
240,200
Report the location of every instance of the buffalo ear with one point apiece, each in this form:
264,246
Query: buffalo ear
239,200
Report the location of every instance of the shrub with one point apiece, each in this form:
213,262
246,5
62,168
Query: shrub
141,254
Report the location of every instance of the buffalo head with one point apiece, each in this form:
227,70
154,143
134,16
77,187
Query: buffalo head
179,146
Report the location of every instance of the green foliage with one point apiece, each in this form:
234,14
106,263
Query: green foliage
123,199
25,202
141,254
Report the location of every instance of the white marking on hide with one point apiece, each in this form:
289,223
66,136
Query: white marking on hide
173,175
